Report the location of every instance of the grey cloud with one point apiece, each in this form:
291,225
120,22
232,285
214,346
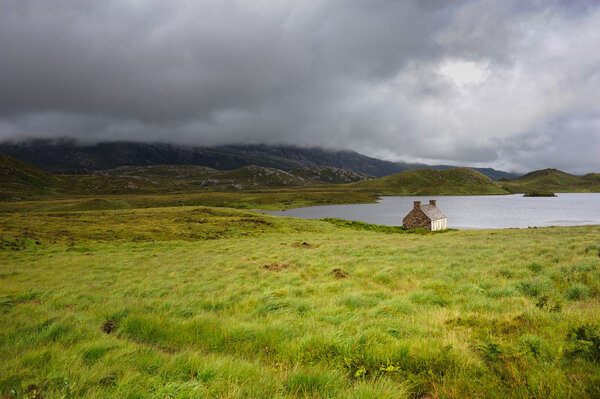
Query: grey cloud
341,74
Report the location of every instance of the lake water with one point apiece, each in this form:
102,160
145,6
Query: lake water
471,212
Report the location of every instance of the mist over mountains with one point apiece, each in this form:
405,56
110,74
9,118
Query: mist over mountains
507,84
67,155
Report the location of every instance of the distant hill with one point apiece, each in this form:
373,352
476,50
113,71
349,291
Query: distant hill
178,178
189,178
593,177
178,172
330,175
552,180
65,155
433,182
493,174
254,177
21,181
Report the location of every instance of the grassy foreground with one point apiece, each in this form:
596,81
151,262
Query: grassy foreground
181,302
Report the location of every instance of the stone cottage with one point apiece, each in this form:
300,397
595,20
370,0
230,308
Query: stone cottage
425,216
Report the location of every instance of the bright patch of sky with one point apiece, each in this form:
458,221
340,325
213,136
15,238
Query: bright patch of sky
464,73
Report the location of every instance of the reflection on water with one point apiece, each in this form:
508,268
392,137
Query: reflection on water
471,212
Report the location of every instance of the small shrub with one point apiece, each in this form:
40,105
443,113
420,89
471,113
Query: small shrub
490,350
577,292
534,288
584,341
550,304
593,248
532,345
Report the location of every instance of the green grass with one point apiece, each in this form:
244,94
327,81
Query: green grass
176,302
275,199
357,225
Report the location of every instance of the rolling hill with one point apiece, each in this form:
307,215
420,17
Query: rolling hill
330,175
163,179
433,182
552,180
20,181
254,177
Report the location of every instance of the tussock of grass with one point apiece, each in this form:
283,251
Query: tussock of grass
577,292
584,342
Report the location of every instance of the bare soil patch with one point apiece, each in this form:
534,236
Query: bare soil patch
109,326
31,300
277,267
339,273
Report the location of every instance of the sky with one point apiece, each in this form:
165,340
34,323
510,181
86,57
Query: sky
509,84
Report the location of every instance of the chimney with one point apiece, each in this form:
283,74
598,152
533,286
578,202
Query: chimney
417,204
432,202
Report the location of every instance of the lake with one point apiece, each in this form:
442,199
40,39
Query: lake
471,212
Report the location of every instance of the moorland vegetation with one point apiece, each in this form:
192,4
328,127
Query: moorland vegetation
215,302
162,291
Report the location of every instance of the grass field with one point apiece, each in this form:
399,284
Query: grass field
275,199
194,301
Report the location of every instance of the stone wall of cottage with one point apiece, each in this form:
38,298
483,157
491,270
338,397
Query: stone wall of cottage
416,219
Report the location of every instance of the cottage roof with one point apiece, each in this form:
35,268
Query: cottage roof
432,212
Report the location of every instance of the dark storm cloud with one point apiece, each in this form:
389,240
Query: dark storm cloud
482,82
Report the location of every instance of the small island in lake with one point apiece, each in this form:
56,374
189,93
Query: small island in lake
539,194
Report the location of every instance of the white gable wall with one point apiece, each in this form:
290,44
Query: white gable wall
439,224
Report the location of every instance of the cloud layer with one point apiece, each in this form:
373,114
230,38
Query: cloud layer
485,83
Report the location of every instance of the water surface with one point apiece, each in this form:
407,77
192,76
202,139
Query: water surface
471,212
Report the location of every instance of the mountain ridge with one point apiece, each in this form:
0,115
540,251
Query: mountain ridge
19,181
66,155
